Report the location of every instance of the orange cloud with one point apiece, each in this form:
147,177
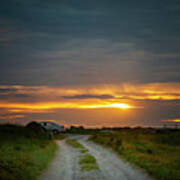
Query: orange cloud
171,120
9,117
152,91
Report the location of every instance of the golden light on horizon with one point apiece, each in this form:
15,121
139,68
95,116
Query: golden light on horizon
114,105
122,97
171,120
121,106
17,107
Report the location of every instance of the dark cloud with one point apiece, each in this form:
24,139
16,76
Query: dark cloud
6,93
15,96
4,90
21,95
135,41
89,96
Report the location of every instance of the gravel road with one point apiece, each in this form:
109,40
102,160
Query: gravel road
65,166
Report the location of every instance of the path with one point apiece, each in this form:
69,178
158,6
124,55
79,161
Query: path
65,166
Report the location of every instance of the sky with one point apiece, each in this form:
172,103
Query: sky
91,63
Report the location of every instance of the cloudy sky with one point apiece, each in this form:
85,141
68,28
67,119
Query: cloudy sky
92,63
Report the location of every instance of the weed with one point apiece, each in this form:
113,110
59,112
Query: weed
83,150
74,143
88,163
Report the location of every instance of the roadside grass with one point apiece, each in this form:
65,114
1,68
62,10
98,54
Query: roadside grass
88,163
157,153
24,152
75,144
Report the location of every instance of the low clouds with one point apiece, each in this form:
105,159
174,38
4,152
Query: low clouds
5,90
14,96
89,96
151,91
152,102
13,92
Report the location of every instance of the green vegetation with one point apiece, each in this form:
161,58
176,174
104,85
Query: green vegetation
83,150
158,153
75,144
81,130
88,163
24,152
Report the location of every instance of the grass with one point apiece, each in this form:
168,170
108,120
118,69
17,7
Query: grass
157,153
81,130
83,150
88,163
24,152
75,144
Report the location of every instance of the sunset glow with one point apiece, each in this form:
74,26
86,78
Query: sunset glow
152,91
114,105
23,101
171,120
45,106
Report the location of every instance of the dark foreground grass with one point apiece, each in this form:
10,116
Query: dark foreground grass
24,152
158,154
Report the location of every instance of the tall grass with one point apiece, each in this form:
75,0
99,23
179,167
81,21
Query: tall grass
24,152
158,153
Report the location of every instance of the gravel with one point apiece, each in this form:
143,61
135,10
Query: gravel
65,166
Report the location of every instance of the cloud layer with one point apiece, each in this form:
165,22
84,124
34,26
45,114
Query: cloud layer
60,58
147,104
74,43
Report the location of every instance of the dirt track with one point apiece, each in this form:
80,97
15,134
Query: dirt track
65,166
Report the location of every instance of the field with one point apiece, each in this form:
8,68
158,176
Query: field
158,153
24,152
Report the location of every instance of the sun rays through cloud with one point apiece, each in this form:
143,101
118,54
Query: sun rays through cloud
120,101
